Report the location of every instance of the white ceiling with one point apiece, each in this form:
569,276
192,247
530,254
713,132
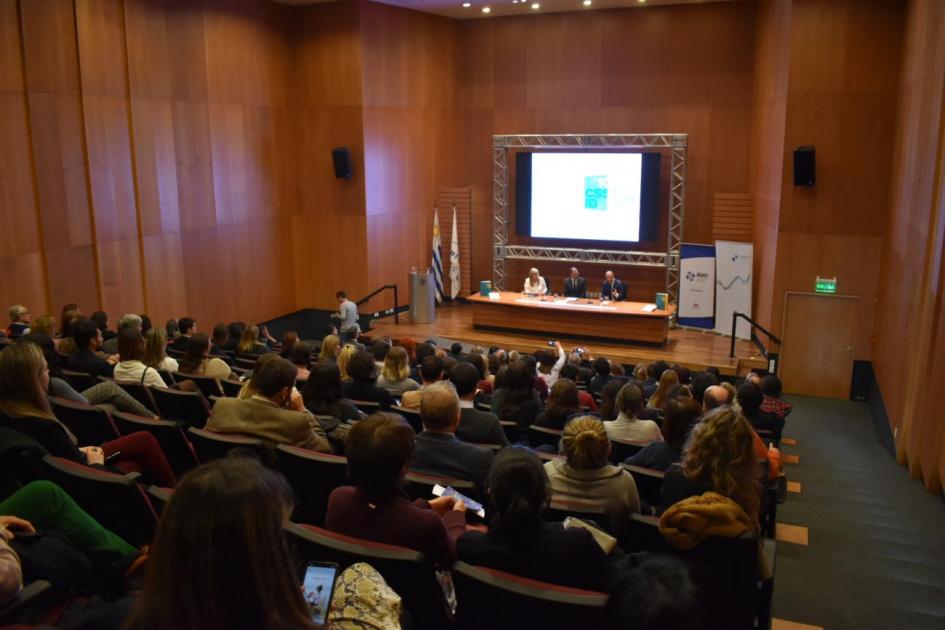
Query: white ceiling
454,8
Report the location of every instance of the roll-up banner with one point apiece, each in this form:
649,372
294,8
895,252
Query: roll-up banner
733,264
696,285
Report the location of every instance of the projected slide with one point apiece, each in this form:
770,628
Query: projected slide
588,196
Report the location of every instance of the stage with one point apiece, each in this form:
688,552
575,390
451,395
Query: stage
696,350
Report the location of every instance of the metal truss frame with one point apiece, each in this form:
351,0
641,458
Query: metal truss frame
502,250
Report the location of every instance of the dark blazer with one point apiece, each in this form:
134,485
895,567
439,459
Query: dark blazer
367,392
525,414
596,384
49,433
619,287
568,557
656,455
180,343
395,521
677,486
575,288
767,422
443,454
480,426
90,363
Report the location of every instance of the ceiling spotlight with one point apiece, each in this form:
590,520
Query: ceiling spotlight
535,5
466,5
586,3
486,10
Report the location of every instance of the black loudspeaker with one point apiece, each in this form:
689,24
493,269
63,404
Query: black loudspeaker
341,158
804,166
861,380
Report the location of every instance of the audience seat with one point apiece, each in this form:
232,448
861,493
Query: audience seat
489,599
210,445
538,436
168,378
410,415
231,388
190,408
649,483
80,381
208,386
559,508
173,352
20,461
159,497
512,431
622,449
313,476
408,572
116,501
29,605
245,363
367,406
137,391
90,425
177,449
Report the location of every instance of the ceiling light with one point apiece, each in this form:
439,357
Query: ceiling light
466,5
586,3
486,10
535,5
641,1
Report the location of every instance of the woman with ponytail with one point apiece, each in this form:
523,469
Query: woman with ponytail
586,475
519,541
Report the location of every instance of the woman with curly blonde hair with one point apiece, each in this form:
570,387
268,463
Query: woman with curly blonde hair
719,457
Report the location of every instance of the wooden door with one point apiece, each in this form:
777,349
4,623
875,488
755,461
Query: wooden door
817,346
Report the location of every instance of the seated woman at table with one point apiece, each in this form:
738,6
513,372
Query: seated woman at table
534,283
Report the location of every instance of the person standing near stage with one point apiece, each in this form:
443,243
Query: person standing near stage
613,289
534,283
347,316
575,285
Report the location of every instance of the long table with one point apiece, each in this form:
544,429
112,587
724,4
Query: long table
614,321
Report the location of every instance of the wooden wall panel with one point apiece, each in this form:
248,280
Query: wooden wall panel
732,217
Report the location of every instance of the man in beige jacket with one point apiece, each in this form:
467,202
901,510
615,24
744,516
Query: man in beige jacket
276,413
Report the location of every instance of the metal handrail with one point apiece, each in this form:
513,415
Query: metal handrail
770,356
395,310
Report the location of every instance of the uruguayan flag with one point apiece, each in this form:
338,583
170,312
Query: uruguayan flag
437,261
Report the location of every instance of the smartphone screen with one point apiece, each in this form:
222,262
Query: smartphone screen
317,588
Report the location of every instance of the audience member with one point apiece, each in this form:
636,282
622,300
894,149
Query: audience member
251,387
585,474
20,320
331,348
88,338
632,422
363,386
322,396
218,340
479,362
155,351
572,372
65,343
601,376
220,558
275,413
718,457
431,371
145,323
24,379
679,414
198,361
130,367
659,593
750,398
715,396
667,380
173,331
519,540
45,324
731,395
234,332
395,375
563,402
410,345
771,388
456,352
438,452
550,364
380,449
653,373
187,326
101,321
301,358
608,400
129,321
517,399
344,357
289,339
475,425
683,374
700,382
250,343
379,349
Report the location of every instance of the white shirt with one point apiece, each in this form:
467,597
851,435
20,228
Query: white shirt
536,289
169,364
131,371
552,377
627,428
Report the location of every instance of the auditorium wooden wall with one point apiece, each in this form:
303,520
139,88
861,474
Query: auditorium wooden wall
909,355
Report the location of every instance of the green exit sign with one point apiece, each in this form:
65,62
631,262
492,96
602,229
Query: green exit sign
825,285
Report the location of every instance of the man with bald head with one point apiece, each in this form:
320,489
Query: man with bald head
714,396
438,451
575,285
613,289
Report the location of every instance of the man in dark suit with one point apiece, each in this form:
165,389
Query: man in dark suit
88,339
575,285
613,289
438,452
187,327
475,425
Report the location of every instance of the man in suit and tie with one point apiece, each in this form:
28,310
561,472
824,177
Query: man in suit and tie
575,285
438,452
613,289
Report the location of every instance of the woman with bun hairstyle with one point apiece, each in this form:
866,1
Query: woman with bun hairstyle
587,476
521,542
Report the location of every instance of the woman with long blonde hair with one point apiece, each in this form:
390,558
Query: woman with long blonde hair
395,377
344,357
155,355
719,457
586,474
667,379
249,342
331,346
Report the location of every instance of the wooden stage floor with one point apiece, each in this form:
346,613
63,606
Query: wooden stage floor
695,350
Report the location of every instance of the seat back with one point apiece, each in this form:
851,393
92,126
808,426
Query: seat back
412,416
420,485
210,445
313,476
167,377
190,408
649,483
80,381
89,424
20,461
208,386
139,392
622,449
408,572
231,388
538,436
489,599
367,406
177,449
115,501
511,429
593,512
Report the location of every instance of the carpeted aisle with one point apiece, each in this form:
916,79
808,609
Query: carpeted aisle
875,556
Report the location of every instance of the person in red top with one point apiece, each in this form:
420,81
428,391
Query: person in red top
571,372
379,450
772,403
